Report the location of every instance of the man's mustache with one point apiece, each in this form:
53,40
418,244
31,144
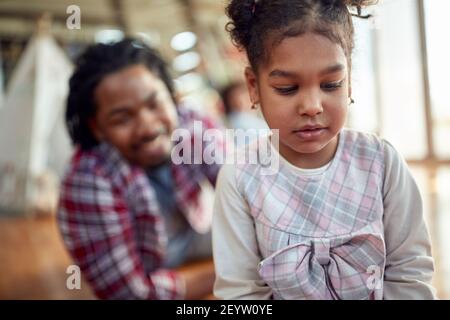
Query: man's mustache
150,137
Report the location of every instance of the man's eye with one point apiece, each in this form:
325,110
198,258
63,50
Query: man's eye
331,86
286,90
121,120
152,105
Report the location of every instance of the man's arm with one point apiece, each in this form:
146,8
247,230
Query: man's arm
215,145
98,231
199,278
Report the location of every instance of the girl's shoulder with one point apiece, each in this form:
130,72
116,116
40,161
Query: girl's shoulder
362,138
369,141
370,149
361,144
360,153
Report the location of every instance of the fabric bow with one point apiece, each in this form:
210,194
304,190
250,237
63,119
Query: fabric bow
348,267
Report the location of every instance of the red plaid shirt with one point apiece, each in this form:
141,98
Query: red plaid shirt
111,223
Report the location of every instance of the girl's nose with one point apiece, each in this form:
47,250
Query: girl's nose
310,105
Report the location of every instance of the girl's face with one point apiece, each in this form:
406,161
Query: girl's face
303,90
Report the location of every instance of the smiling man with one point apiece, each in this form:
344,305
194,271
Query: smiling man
129,216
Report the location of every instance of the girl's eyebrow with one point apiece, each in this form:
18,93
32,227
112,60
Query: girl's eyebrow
333,68
282,73
289,74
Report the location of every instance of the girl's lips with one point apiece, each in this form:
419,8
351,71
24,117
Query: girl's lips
309,134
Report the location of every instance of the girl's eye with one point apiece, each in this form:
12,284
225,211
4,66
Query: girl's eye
332,86
286,90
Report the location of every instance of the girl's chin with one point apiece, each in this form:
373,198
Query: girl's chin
308,148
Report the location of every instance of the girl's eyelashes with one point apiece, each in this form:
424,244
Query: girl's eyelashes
329,86
286,90
332,86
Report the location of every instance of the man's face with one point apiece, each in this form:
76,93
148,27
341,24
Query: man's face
136,114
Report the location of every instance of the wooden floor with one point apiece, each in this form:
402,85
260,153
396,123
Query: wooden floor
33,260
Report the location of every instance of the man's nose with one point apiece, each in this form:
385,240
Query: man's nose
148,123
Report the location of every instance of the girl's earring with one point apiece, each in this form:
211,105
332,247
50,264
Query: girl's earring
255,106
350,101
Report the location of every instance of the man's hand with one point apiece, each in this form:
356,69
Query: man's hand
199,278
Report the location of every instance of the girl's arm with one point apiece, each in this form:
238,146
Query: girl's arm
236,253
409,265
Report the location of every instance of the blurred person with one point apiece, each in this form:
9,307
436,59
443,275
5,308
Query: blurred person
239,112
130,217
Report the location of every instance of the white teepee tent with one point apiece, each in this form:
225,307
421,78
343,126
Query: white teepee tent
34,144
1,78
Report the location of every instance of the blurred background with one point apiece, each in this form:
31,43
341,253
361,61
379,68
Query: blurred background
401,65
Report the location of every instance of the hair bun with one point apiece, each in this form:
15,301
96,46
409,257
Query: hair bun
359,3
241,14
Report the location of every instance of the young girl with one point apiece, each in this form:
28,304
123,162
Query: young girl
342,217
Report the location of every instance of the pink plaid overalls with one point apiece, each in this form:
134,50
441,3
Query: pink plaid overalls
321,236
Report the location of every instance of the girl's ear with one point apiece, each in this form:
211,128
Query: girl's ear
252,85
96,132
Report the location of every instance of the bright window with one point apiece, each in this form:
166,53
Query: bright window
438,45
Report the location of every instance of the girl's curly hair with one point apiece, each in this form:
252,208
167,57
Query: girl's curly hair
256,25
